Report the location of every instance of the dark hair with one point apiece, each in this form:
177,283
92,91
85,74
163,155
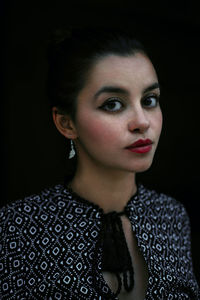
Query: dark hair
71,55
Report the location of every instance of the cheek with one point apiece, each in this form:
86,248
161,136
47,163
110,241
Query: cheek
158,121
98,131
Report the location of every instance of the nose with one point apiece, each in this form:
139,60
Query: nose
139,121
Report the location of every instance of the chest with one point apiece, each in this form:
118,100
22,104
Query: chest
139,267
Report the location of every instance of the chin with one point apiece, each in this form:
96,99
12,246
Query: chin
141,167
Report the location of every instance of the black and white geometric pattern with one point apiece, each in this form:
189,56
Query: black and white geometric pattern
48,247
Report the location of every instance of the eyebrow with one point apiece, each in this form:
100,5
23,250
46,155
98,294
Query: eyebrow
119,90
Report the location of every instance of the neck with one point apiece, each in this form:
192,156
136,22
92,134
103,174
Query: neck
110,190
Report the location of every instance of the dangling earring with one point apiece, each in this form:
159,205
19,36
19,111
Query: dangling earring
72,151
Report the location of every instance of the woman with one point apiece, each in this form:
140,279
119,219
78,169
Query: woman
100,235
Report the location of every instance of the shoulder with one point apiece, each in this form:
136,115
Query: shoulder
31,207
160,199
163,204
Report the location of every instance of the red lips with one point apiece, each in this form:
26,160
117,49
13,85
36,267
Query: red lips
141,146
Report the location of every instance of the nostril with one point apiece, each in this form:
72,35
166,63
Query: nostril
139,122
136,130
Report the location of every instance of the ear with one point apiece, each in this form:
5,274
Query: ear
64,124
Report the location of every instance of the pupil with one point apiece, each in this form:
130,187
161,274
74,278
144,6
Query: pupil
111,105
148,101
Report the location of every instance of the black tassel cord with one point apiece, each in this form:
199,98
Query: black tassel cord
115,254
116,257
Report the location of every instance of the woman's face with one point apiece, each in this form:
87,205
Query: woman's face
119,106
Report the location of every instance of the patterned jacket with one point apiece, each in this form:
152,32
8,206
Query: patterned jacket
48,247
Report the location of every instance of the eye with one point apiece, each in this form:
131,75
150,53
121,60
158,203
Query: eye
112,105
150,101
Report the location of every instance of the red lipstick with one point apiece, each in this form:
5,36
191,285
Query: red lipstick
141,146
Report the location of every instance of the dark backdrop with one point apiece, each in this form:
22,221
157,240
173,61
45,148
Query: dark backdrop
33,152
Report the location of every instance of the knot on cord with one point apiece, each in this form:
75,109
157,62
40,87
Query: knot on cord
116,257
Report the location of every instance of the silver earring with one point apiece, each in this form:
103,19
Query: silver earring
72,151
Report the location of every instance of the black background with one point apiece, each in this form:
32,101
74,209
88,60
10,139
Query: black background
33,154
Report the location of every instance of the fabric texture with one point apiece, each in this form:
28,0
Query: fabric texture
49,247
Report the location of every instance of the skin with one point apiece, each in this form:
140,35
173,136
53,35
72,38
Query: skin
101,132
106,169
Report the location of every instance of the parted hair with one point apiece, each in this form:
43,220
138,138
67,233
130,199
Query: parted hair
71,55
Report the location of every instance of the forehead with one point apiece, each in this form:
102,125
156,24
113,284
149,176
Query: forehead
136,69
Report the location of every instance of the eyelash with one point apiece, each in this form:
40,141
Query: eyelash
156,97
111,101
114,100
